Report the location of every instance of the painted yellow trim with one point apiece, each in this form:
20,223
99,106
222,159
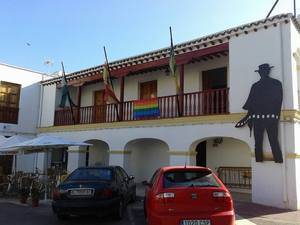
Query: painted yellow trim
293,156
286,116
268,156
120,152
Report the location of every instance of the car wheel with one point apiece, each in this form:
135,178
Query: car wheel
119,213
62,216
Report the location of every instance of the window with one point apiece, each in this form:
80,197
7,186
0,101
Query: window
148,89
91,174
9,94
125,175
214,79
9,102
189,179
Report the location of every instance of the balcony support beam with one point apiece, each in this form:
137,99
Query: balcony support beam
78,103
181,89
122,85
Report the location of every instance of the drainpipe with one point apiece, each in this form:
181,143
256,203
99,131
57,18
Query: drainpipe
282,127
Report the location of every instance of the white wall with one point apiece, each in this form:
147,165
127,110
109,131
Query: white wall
146,157
29,98
48,105
28,108
98,153
230,152
246,52
19,75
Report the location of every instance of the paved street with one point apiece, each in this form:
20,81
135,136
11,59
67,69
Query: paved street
17,214
13,213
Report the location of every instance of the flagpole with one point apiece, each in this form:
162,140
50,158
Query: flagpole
68,94
177,94
111,83
110,80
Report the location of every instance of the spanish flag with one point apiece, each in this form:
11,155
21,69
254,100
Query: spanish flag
109,94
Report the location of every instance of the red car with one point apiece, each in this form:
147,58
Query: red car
187,196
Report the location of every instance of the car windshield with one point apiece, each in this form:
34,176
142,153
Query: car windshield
91,174
189,178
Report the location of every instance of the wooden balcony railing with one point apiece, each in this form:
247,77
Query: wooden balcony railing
9,115
236,177
190,104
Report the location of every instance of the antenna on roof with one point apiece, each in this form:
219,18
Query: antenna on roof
272,9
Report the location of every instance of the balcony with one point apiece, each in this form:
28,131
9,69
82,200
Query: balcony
9,115
211,102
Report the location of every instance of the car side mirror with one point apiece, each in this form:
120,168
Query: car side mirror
131,177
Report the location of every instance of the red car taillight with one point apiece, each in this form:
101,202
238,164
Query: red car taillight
164,197
224,199
56,194
221,194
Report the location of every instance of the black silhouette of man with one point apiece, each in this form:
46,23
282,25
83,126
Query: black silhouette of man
264,106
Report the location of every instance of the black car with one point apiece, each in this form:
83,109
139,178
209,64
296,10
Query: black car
94,190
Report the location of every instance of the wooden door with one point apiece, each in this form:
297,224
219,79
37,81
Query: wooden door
148,89
213,100
201,154
99,107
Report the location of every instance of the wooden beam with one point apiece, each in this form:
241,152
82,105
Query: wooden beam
78,104
180,59
122,85
142,66
181,90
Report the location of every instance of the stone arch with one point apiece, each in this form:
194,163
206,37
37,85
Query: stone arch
222,151
144,155
98,153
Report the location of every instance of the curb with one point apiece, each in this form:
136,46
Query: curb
242,221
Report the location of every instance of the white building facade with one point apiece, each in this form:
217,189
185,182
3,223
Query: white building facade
20,92
197,126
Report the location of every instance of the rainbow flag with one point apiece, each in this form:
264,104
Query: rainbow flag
146,108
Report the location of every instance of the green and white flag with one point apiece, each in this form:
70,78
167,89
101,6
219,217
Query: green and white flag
65,94
172,64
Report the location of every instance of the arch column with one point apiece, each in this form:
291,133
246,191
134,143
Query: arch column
180,157
144,156
76,157
119,158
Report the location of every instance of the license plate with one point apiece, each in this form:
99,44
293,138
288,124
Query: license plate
195,222
82,192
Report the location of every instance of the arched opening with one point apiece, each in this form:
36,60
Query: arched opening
146,156
97,154
230,159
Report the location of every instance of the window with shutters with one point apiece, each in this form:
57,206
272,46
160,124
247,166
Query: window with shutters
9,102
148,89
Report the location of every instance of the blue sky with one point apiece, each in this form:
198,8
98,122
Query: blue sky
76,31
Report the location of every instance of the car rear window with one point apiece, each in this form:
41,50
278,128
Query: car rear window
91,174
190,178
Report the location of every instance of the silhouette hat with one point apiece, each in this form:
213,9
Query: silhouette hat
264,67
